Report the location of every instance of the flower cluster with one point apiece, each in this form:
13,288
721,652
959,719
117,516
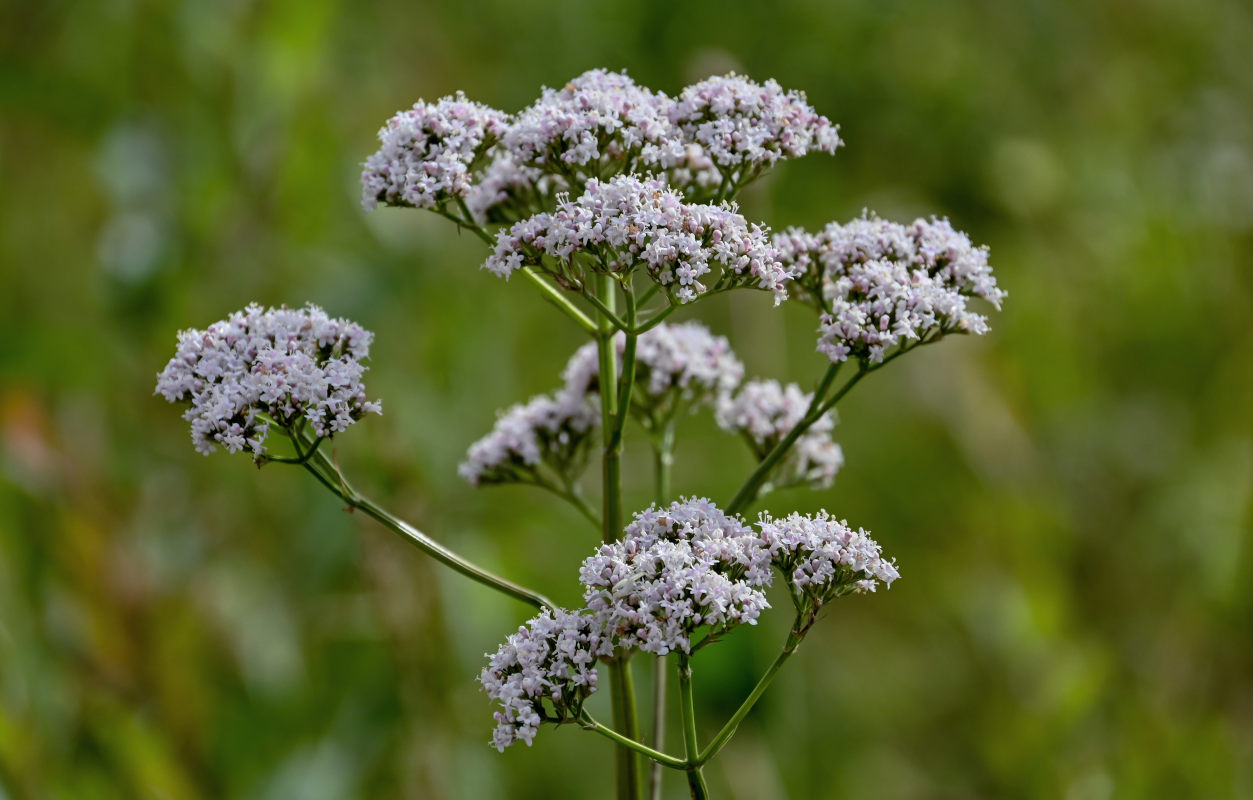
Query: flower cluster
543,673
258,365
823,558
630,221
427,153
597,124
550,430
683,363
677,570
742,125
507,191
882,284
764,411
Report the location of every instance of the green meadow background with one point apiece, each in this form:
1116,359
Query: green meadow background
1069,498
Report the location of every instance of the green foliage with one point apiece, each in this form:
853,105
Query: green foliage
1069,498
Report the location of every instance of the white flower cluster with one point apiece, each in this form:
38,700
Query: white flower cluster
882,284
676,570
289,365
506,191
764,411
546,429
742,124
630,221
674,363
823,558
427,153
599,121
543,673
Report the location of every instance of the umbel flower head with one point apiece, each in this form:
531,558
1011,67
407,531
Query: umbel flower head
598,124
427,153
822,558
544,672
279,364
548,430
765,411
676,571
881,284
631,222
676,365
742,125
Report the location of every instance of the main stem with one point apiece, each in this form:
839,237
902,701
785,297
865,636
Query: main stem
663,461
621,684
687,706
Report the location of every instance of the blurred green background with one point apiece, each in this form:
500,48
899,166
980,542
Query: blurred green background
1068,498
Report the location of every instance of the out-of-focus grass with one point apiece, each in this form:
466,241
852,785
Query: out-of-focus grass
1069,498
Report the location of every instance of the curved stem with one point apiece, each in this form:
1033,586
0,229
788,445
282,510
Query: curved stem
728,730
661,758
426,544
687,706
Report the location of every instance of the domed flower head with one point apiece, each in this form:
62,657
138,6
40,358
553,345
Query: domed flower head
744,126
678,367
427,154
543,673
676,571
632,222
822,558
598,124
260,365
546,430
765,411
882,285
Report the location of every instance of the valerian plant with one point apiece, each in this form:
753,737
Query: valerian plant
617,204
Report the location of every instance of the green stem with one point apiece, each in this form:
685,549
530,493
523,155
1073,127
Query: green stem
687,707
728,730
607,309
817,407
627,381
661,758
663,461
426,544
620,680
554,296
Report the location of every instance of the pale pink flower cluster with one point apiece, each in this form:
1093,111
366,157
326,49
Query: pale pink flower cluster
682,362
741,124
823,558
426,154
882,284
552,430
681,576
599,121
280,364
629,221
678,569
765,411
543,673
